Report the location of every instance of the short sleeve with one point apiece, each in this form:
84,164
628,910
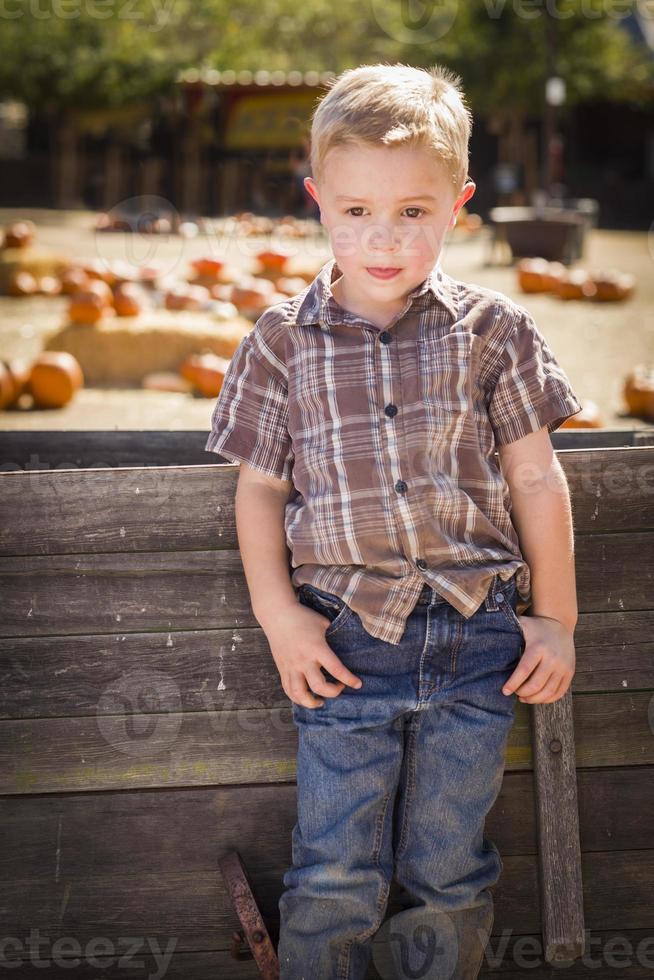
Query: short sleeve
531,390
249,422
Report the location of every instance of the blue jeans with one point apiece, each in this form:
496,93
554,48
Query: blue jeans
396,779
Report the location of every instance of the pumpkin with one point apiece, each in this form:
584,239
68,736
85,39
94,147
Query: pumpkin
6,386
20,234
206,372
638,391
86,307
574,284
103,291
49,285
273,260
186,297
252,292
98,269
14,375
532,275
612,286
73,280
128,300
54,379
207,267
21,283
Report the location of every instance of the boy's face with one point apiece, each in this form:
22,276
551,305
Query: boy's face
384,208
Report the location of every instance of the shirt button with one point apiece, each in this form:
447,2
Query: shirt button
385,337
391,410
401,486
421,563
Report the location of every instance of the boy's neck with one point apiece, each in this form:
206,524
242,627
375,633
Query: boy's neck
380,318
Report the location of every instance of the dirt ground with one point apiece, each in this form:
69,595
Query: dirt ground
596,344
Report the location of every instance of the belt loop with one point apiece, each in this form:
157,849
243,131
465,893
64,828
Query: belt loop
491,601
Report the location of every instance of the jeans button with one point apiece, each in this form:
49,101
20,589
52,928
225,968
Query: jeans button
500,597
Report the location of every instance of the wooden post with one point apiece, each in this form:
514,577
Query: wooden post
113,176
67,166
559,848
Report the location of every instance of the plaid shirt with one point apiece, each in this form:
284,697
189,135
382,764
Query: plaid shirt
389,438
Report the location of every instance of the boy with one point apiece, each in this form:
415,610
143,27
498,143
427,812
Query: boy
365,413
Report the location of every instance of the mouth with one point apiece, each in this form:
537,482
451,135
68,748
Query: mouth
383,272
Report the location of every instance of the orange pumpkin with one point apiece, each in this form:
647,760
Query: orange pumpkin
21,283
86,307
188,297
97,269
73,280
207,267
102,290
20,234
206,372
533,275
638,391
49,285
128,300
14,375
273,260
612,286
574,284
54,379
6,386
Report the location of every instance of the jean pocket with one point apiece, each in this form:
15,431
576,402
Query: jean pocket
508,607
327,604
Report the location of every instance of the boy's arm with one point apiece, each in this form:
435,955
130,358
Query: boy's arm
260,505
542,517
295,633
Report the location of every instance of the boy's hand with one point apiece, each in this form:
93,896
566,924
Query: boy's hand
548,663
297,643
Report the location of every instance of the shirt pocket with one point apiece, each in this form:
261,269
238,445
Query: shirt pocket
445,367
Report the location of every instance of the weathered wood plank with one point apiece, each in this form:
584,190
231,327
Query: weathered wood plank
82,449
131,751
559,848
43,677
108,593
625,953
170,508
186,830
193,909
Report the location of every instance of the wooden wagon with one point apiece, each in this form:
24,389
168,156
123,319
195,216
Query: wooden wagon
144,732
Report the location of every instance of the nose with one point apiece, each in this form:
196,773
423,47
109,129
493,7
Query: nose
381,237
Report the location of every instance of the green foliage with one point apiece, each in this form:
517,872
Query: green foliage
99,53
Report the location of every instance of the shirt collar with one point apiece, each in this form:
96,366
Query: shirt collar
319,305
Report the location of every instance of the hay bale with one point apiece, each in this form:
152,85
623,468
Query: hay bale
122,350
37,261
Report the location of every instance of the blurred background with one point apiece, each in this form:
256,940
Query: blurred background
151,199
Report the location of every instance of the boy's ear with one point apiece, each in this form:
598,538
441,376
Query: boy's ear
469,189
310,186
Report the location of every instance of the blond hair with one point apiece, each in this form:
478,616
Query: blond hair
395,105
